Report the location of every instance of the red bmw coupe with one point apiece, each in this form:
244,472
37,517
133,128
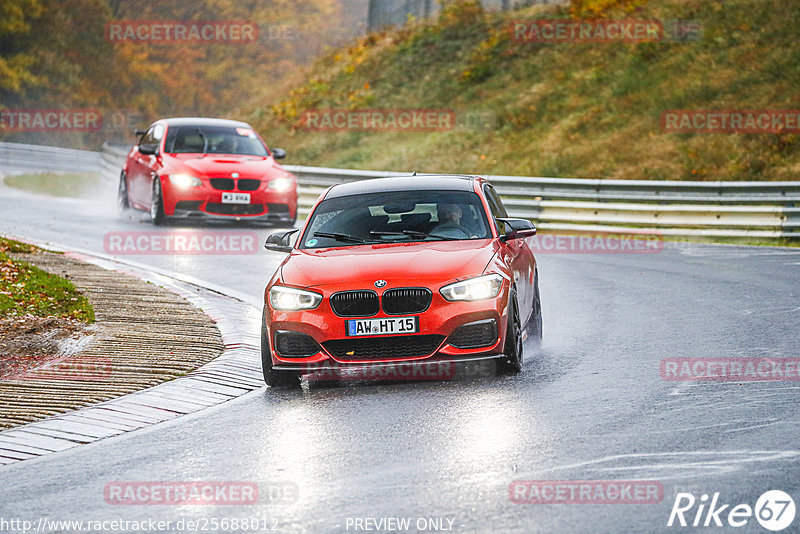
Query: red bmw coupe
206,168
405,270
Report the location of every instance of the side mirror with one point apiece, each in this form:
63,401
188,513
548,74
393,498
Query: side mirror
139,133
517,228
279,241
148,150
278,153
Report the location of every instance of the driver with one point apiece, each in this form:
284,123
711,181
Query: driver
450,214
450,224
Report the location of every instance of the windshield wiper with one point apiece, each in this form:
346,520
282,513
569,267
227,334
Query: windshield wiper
341,237
412,233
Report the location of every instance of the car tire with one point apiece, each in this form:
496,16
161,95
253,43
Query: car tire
534,326
157,203
123,204
275,378
511,362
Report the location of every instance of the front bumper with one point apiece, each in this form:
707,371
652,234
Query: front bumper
274,213
441,325
206,202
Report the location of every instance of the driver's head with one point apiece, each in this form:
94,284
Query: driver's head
449,213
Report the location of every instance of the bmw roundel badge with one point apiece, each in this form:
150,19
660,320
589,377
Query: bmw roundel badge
380,283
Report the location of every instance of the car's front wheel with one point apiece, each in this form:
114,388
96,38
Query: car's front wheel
511,362
157,203
123,204
275,378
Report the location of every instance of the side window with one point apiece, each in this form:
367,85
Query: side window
496,206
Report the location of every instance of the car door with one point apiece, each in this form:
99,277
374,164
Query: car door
517,255
142,166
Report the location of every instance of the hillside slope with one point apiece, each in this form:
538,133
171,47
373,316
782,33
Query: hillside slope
558,109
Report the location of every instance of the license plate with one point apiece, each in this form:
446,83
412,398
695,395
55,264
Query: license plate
236,198
385,326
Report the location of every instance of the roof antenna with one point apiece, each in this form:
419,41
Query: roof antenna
414,174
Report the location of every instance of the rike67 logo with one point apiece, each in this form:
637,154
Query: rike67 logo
774,511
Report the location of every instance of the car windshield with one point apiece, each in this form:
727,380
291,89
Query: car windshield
398,216
214,140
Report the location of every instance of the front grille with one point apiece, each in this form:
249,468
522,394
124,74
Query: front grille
223,184
406,300
474,335
278,208
248,184
295,344
355,303
188,205
387,347
234,209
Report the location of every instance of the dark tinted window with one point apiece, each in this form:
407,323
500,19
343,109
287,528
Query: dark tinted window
496,205
400,216
214,140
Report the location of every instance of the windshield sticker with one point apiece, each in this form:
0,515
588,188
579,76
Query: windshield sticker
246,132
311,242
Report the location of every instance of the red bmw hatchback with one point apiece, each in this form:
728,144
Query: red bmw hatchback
206,168
413,269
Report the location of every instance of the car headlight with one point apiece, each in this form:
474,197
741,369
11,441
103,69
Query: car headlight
184,181
480,288
280,184
291,299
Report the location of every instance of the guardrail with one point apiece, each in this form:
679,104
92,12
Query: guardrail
21,157
671,208
758,210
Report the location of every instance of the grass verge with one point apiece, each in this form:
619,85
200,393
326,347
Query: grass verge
583,110
27,290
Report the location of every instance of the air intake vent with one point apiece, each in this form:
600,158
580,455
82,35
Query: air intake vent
222,184
406,300
295,344
474,335
246,184
355,303
383,348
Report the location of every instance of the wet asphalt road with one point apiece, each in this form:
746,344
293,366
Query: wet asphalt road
591,405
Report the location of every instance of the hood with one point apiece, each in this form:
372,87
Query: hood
430,264
222,165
